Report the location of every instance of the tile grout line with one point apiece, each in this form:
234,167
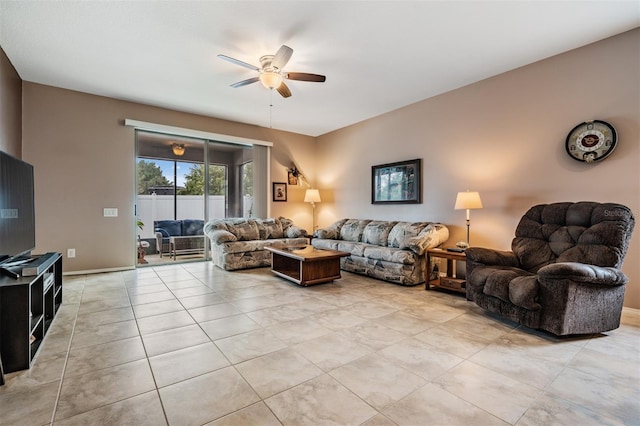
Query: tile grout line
66,359
146,354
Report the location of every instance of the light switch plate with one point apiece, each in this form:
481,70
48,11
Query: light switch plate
110,212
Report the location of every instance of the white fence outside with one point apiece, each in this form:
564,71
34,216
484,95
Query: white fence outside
160,207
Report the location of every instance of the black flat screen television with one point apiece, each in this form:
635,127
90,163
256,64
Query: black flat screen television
17,208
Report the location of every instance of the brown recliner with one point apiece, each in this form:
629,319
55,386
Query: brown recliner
563,273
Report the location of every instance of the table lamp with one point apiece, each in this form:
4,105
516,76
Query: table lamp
468,200
312,196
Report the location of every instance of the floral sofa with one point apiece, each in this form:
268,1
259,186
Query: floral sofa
390,251
239,243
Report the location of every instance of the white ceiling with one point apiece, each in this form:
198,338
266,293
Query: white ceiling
377,56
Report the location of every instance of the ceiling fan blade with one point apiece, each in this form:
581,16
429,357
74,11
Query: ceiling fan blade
245,82
282,57
303,76
238,62
284,90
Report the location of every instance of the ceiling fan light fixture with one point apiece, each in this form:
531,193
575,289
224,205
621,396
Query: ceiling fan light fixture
270,79
178,149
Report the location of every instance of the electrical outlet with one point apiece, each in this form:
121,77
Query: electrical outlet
71,253
110,212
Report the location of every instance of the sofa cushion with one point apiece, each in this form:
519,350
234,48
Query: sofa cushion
269,228
243,229
352,230
320,243
401,233
192,227
389,254
377,232
353,248
331,232
257,245
168,228
509,284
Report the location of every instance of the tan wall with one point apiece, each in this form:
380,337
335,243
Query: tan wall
504,137
10,108
84,161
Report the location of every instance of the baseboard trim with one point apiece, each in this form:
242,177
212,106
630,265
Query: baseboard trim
100,271
632,311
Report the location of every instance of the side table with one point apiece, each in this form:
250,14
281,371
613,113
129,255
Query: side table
448,281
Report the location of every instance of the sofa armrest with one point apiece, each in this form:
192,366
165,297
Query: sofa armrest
433,235
220,236
326,234
485,256
583,273
159,241
295,232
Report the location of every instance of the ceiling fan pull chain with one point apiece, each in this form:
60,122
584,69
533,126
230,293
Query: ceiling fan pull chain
270,108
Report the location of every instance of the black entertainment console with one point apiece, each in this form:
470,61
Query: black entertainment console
28,305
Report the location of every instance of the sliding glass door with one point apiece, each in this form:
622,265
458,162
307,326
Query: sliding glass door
184,182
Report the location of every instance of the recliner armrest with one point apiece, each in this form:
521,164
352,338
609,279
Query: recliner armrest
487,256
581,272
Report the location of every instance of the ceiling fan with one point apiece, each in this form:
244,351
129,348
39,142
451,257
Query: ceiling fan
271,71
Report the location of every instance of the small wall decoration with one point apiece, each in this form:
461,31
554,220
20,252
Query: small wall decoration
397,183
292,178
279,191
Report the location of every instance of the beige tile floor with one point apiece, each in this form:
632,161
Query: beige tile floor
191,344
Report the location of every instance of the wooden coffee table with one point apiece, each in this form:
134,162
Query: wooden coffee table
306,265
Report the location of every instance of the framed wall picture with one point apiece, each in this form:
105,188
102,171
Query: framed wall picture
279,191
397,183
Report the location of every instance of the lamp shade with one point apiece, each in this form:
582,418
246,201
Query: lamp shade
312,196
468,200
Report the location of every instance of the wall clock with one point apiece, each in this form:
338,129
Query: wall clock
591,141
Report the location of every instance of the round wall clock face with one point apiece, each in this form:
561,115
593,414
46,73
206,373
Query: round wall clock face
591,141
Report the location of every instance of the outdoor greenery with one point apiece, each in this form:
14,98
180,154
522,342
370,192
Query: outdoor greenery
194,180
247,179
149,174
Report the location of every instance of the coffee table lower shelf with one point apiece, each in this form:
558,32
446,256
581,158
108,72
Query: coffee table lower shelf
305,265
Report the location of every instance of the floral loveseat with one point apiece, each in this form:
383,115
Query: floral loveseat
390,251
239,243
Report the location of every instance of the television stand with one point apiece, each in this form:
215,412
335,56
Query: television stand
28,305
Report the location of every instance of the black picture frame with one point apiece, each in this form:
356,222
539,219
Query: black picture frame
397,183
279,191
